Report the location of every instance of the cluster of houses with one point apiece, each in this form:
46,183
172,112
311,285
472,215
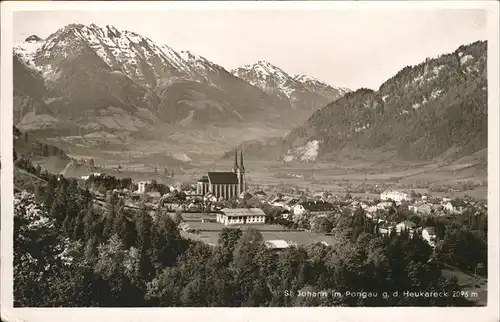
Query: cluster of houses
212,190
427,233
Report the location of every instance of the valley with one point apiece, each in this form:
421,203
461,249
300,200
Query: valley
253,164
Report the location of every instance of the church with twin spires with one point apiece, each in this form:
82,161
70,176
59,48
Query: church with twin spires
227,185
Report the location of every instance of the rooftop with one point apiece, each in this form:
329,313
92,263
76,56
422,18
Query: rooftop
243,212
317,205
409,223
277,244
222,178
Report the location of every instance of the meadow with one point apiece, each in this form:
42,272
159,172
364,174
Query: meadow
209,231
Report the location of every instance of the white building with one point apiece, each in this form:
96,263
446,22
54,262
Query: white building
313,208
410,226
450,208
423,209
385,229
394,195
429,235
281,201
241,216
141,186
278,244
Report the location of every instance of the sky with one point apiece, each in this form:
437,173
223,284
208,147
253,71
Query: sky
346,48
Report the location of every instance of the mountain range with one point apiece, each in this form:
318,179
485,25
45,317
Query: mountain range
434,110
88,89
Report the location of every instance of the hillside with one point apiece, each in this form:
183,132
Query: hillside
90,87
437,109
29,146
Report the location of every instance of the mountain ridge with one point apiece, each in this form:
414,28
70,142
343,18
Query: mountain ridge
91,80
434,109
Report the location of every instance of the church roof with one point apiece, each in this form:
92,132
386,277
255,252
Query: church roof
222,178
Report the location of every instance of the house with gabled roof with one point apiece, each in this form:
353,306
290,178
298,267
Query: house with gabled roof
239,216
406,225
429,235
313,208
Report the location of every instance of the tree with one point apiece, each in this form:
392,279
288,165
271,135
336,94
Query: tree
43,259
228,238
248,269
119,268
178,217
45,150
166,242
37,192
110,212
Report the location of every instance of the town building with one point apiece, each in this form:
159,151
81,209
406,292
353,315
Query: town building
227,185
241,216
450,208
285,202
313,208
277,245
407,225
394,195
385,229
421,209
429,235
142,186
154,195
260,194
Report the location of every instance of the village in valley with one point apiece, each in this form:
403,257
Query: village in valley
285,218
148,176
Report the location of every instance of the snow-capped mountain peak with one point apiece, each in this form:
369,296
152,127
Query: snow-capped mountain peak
27,49
263,68
309,81
305,78
33,38
314,84
267,77
121,50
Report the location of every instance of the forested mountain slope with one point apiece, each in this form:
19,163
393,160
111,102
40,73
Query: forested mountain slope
436,108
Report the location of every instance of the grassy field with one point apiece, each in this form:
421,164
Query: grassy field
299,237
334,177
475,288
210,231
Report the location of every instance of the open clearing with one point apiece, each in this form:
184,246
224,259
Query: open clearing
209,231
474,288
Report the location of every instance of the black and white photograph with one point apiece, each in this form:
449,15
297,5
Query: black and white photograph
250,156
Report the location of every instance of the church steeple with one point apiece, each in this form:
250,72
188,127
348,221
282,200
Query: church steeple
242,167
235,166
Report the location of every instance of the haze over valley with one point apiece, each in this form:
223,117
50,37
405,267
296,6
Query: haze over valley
128,102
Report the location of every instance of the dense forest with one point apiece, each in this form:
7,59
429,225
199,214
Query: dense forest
421,112
69,251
